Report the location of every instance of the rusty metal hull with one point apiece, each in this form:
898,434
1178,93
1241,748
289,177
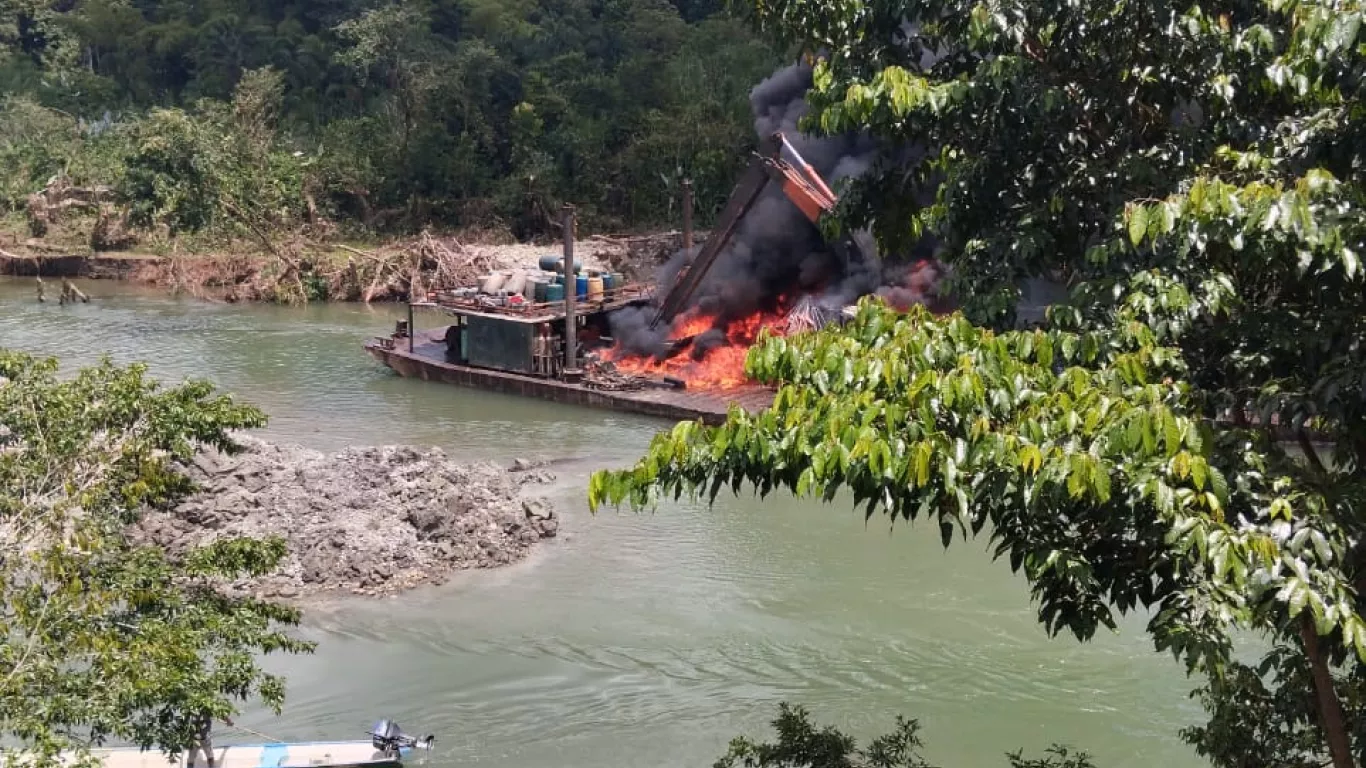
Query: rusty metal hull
427,361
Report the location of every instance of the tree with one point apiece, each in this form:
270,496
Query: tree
192,170
801,745
394,44
171,175
105,638
1194,173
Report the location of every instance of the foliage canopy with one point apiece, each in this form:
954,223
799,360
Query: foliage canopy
449,111
105,638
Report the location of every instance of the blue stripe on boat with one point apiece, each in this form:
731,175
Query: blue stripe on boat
273,755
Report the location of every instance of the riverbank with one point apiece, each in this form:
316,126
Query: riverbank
369,521
299,270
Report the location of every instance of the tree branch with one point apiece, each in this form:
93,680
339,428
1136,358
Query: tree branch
1310,452
1330,709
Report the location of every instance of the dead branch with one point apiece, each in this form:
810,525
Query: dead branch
293,266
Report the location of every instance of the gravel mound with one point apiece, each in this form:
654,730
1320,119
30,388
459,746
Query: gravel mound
371,521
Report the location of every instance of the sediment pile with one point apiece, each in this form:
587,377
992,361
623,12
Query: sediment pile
370,521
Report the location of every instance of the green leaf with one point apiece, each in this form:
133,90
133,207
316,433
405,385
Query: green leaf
1138,224
1077,477
1299,595
1101,486
1199,472
923,454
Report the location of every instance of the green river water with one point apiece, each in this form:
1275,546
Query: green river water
632,640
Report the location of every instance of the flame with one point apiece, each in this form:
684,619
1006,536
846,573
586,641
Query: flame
722,367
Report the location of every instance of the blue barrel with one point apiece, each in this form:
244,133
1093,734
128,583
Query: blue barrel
556,264
608,281
554,292
581,286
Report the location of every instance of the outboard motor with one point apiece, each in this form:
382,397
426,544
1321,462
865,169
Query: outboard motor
388,737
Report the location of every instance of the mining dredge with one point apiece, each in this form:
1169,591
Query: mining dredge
527,332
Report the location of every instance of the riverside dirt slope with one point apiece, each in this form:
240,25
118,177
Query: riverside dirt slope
371,521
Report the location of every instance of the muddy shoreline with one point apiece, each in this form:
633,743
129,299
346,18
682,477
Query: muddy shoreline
371,521
94,267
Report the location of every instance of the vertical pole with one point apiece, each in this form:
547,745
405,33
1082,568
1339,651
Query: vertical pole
687,214
410,324
570,291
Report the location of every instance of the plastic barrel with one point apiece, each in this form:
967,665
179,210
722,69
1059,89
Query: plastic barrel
595,287
556,264
554,292
609,281
539,287
581,286
516,283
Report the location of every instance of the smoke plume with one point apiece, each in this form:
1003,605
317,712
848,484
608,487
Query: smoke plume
776,254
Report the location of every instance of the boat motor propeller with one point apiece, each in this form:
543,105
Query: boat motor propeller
388,736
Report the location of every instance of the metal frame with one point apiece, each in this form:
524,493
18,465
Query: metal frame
777,160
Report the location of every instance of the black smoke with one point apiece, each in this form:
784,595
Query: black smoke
776,253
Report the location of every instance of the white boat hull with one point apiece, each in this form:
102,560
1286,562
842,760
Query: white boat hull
321,754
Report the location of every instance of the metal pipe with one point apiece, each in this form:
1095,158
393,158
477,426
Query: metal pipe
687,214
410,324
570,291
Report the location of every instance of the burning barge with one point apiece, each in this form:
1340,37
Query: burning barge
550,334
531,349
680,354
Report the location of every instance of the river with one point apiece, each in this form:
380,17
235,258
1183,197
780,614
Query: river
632,640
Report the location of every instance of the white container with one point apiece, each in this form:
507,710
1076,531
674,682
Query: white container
492,283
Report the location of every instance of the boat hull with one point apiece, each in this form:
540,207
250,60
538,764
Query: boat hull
323,754
427,360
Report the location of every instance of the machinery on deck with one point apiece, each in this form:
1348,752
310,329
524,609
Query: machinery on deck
777,161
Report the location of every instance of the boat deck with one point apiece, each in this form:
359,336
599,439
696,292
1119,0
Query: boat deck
427,360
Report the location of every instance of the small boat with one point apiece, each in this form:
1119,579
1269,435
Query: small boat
387,747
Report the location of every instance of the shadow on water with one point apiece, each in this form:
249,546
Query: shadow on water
632,637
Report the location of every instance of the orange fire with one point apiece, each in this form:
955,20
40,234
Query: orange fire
721,368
